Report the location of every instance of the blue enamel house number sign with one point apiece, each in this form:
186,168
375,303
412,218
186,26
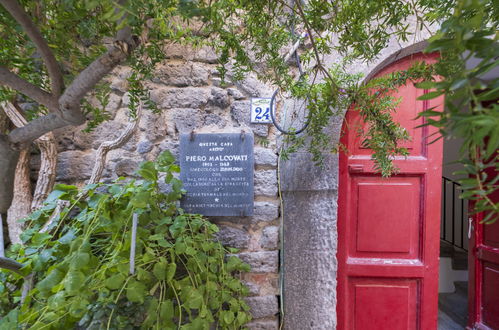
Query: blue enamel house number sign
260,111
217,172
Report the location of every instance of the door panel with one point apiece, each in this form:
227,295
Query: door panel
483,260
389,227
371,238
490,295
395,303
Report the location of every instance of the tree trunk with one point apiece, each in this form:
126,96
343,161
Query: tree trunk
8,163
24,202
47,173
21,202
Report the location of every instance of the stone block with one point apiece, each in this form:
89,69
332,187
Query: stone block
262,212
126,167
172,146
263,325
253,87
74,165
254,289
261,262
233,237
206,54
264,306
219,97
186,119
266,183
214,119
270,238
114,103
182,74
188,97
265,212
235,93
265,156
144,147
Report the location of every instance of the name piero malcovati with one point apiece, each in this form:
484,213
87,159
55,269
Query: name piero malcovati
217,171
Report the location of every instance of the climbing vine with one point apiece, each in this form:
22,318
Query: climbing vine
180,278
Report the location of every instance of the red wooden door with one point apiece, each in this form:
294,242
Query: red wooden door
483,261
389,227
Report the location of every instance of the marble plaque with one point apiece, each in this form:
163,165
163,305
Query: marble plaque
217,172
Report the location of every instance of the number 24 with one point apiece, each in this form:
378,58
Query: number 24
262,114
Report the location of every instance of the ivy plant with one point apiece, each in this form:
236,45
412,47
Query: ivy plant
182,277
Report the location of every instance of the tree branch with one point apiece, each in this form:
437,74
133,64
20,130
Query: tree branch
36,128
53,68
69,102
10,264
13,81
92,74
100,159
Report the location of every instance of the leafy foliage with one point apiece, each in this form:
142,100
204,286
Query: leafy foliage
183,277
472,109
252,34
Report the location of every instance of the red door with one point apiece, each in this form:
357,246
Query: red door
389,227
483,298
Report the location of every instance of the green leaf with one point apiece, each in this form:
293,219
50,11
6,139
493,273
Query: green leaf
242,318
40,238
115,282
78,307
68,237
170,274
51,280
136,292
159,270
79,260
195,299
458,84
430,95
148,171
166,158
74,281
426,84
140,200
55,196
65,187
166,311
228,317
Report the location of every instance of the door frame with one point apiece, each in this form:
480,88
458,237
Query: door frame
427,313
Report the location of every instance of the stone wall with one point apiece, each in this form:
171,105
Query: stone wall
188,90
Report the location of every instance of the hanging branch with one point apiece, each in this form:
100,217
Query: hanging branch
105,147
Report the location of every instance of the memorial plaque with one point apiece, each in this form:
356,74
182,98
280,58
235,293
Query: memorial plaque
217,172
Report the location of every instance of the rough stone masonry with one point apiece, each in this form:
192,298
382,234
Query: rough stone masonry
188,90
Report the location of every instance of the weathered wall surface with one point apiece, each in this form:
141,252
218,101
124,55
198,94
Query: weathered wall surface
188,90
310,237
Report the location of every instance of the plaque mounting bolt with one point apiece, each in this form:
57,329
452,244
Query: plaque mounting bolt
192,135
243,134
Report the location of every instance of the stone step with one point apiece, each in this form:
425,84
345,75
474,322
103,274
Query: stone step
459,257
461,287
455,305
